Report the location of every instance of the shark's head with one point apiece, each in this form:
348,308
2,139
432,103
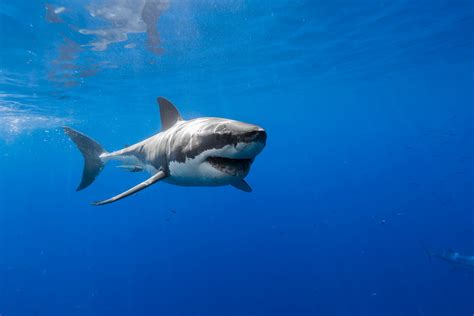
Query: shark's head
208,150
214,151
231,146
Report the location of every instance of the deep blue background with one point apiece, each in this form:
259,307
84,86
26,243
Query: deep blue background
369,108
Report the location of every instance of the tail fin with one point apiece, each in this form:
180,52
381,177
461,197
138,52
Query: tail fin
427,250
91,151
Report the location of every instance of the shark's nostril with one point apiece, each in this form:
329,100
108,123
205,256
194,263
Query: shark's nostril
256,136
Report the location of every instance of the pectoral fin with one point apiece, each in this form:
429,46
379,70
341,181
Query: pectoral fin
155,178
242,185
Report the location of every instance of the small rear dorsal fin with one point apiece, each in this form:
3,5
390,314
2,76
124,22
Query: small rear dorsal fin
169,114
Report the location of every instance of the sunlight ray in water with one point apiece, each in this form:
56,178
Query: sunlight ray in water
18,116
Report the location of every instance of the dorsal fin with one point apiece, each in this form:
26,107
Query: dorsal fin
169,114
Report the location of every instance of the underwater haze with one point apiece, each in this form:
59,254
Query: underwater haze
367,173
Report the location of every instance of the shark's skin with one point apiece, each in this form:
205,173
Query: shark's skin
181,150
455,257
200,152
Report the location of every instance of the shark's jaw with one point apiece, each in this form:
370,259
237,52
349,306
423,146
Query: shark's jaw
216,167
238,167
217,157
235,161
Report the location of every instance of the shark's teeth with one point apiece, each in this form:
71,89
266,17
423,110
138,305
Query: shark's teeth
233,167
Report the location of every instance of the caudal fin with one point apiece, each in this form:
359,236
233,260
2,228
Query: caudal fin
91,152
427,250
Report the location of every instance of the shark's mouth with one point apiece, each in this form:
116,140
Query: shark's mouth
230,166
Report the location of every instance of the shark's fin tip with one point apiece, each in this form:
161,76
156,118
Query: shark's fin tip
242,185
153,179
168,112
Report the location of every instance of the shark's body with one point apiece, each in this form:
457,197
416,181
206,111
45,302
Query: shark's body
198,152
455,257
451,256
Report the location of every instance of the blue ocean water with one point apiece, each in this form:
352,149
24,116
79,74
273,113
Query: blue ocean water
368,106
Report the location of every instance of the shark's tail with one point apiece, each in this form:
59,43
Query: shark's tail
91,152
427,250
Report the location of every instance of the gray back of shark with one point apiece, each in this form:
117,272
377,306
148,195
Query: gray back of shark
456,258
199,152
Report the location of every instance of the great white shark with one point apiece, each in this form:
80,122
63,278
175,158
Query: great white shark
205,151
451,256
